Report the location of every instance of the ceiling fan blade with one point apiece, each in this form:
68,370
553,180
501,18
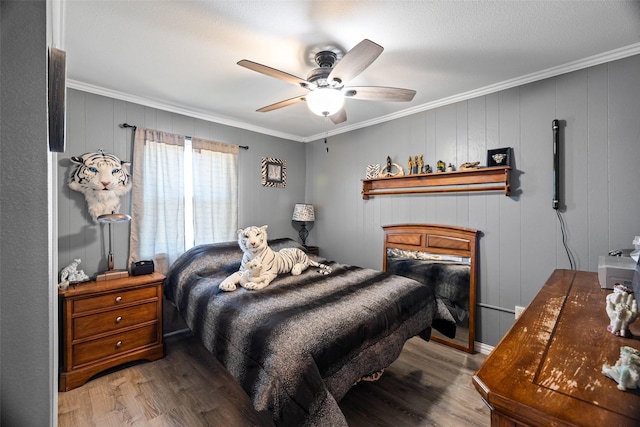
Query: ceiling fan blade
355,61
272,72
282,104
339,117
379,93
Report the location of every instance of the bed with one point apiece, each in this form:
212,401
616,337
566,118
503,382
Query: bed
298,346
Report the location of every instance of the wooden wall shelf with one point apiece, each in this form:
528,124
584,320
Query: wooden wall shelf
463,181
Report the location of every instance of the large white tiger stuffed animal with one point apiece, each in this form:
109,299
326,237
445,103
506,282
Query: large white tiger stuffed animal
253,242
102,178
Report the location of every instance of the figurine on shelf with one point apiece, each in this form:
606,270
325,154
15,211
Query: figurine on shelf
420,164
626,371
427,169
410,165
441,166
469,165
450,168
372,171
499,157
387,171
622,309
415,165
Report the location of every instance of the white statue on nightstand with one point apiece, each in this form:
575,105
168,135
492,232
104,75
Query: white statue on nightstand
626,371
71,274
622,309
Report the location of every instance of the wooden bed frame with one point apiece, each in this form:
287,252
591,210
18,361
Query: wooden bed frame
439,239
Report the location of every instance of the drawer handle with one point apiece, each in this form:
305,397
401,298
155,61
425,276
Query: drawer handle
119,344
118,319
118,299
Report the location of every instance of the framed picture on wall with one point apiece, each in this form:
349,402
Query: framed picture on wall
499,157
274,172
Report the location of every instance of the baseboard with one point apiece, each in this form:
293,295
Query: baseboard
483,348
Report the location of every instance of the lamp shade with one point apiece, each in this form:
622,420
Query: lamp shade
325,101
303,212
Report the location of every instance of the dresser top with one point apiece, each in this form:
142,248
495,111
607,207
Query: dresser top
547,370
93,287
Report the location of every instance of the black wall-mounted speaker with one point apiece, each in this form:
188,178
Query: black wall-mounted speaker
555,124
57,89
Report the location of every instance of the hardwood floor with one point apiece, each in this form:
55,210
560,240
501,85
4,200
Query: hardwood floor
428,385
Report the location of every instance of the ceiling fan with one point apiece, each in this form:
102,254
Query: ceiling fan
327,83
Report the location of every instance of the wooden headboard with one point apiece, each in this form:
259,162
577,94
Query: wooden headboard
438,239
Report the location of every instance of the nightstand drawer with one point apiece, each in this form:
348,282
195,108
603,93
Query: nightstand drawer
114,344
113,300
113,320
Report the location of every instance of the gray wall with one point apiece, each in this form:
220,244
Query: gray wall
26,371
521,241
94,121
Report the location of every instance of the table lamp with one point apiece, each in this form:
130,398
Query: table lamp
303,213
111,273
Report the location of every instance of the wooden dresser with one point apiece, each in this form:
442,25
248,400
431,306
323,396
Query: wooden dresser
104,324
546,371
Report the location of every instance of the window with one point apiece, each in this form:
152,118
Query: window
185,193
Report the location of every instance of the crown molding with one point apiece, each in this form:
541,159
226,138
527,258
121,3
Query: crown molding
190,112
591,61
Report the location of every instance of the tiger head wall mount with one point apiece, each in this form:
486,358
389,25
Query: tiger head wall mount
102,178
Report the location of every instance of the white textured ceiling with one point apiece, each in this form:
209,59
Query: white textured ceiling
182,55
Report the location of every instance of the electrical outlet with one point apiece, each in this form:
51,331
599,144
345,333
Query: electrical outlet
519,310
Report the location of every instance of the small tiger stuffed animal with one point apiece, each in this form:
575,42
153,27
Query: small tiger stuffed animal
253,242
102,178
252,276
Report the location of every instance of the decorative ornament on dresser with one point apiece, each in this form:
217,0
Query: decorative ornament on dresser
622,309
626,371
102,178
71,274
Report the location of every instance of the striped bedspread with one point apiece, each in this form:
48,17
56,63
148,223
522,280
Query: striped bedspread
297,346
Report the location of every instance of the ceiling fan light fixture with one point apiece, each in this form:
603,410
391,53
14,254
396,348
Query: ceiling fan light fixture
325,101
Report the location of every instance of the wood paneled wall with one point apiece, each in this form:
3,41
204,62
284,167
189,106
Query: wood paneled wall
521,242
93,122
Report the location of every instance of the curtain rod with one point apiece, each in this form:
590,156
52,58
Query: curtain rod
127,125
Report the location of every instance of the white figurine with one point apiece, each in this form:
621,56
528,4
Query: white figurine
626,371
622,309
71,274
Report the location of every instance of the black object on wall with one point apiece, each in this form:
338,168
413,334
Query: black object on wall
555,124
56,98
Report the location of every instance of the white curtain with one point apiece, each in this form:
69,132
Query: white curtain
215,191
160,223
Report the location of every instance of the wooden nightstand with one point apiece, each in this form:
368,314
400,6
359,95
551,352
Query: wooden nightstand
104,324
